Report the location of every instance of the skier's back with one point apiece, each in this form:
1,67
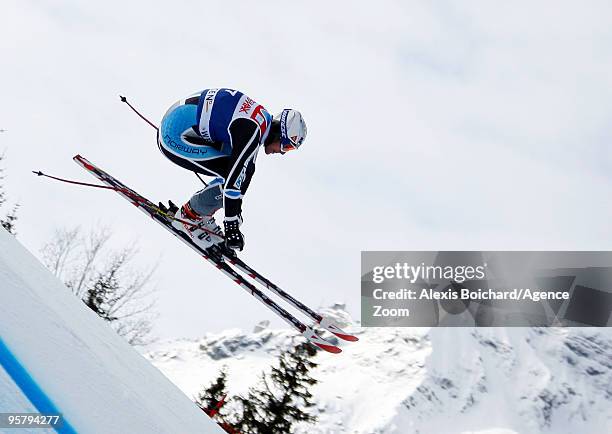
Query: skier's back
217,132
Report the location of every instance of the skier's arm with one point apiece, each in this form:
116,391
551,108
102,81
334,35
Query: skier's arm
245,137
249,176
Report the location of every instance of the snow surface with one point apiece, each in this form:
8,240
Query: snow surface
425,381
98,382
12,400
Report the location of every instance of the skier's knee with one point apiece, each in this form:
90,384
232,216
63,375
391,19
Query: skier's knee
208,200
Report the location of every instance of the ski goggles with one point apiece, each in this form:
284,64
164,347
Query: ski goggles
287,146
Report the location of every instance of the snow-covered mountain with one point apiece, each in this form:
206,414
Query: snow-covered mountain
440,380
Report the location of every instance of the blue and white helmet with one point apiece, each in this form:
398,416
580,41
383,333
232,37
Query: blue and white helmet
293,129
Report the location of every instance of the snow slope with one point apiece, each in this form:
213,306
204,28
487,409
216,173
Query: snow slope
13,400
426,381
87,372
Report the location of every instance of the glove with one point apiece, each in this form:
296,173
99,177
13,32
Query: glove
233,237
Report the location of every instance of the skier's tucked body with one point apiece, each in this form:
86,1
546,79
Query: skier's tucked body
218,132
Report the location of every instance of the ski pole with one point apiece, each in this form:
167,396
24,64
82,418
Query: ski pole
128,193
124,99
68,181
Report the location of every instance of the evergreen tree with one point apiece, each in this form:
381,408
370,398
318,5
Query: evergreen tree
102,295
8,222
283,396
212,399
209,399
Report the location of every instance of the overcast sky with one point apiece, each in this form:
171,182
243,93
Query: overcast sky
432,125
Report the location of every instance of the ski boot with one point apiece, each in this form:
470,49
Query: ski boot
209,223
202,230
219,249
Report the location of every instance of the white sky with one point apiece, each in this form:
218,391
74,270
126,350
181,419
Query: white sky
432,125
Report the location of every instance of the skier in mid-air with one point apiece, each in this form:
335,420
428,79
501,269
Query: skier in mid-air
218,132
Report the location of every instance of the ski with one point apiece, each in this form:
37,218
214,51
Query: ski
325,322
320,320
161,217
